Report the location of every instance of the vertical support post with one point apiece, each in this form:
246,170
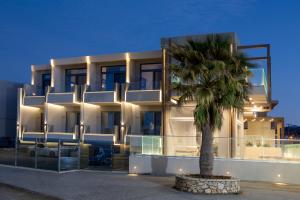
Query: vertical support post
78,154
59,153
35,154
16,151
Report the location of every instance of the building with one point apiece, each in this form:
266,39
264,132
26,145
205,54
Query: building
124,100
8,112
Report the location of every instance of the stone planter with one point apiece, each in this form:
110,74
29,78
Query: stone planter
208,186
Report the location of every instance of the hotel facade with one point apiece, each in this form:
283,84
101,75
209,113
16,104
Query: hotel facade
124,101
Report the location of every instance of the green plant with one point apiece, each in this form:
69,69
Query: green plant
213,75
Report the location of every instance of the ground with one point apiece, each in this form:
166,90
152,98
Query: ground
8,192
94,185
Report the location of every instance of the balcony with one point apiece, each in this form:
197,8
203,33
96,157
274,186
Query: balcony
33,96
103,96
67,97
143,93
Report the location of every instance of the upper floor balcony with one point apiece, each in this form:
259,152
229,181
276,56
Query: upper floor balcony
69,96
144,92
104,95
34,95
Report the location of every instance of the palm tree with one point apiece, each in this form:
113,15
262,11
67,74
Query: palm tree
214,76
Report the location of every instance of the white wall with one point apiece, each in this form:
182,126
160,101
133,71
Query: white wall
269,171
91,118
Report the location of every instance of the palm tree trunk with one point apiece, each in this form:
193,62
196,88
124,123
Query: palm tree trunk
206,152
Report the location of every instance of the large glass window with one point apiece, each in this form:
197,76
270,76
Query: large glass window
112,75
75,77
151,76
46,81
110,122
151,122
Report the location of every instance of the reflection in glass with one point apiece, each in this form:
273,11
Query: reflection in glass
74,77
151,122
112,75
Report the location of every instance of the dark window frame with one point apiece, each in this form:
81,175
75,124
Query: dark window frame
153,74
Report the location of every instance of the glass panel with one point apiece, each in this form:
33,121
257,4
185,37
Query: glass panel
7,156
47,156
151,123
110,122
147,80
150,76
45,83
73,120
97,156
74,77
111,75
26,155
69,156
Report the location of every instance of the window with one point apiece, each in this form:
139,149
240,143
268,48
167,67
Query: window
46,81
110,122
74,77
151,122
151,76
112,75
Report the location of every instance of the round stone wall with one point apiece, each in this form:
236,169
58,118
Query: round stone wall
209,186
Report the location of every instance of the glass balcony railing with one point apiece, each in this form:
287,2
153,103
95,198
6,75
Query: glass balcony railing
245,148
258,78
146,145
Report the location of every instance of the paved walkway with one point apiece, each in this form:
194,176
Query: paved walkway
8,192
108,185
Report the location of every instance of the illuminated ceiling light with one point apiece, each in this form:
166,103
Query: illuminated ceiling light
252,102
250,98
227,172
278,175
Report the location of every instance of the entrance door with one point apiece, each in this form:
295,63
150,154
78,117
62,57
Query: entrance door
73,120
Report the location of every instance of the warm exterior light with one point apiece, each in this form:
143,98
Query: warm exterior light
263,119
88,63
250,99
252,102
127,67
32,74
174,101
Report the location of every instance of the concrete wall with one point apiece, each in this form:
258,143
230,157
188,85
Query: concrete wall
8,109
249,170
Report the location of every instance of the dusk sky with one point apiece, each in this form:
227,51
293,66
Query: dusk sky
33,31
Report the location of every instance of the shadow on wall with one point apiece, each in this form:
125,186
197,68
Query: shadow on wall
159,165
